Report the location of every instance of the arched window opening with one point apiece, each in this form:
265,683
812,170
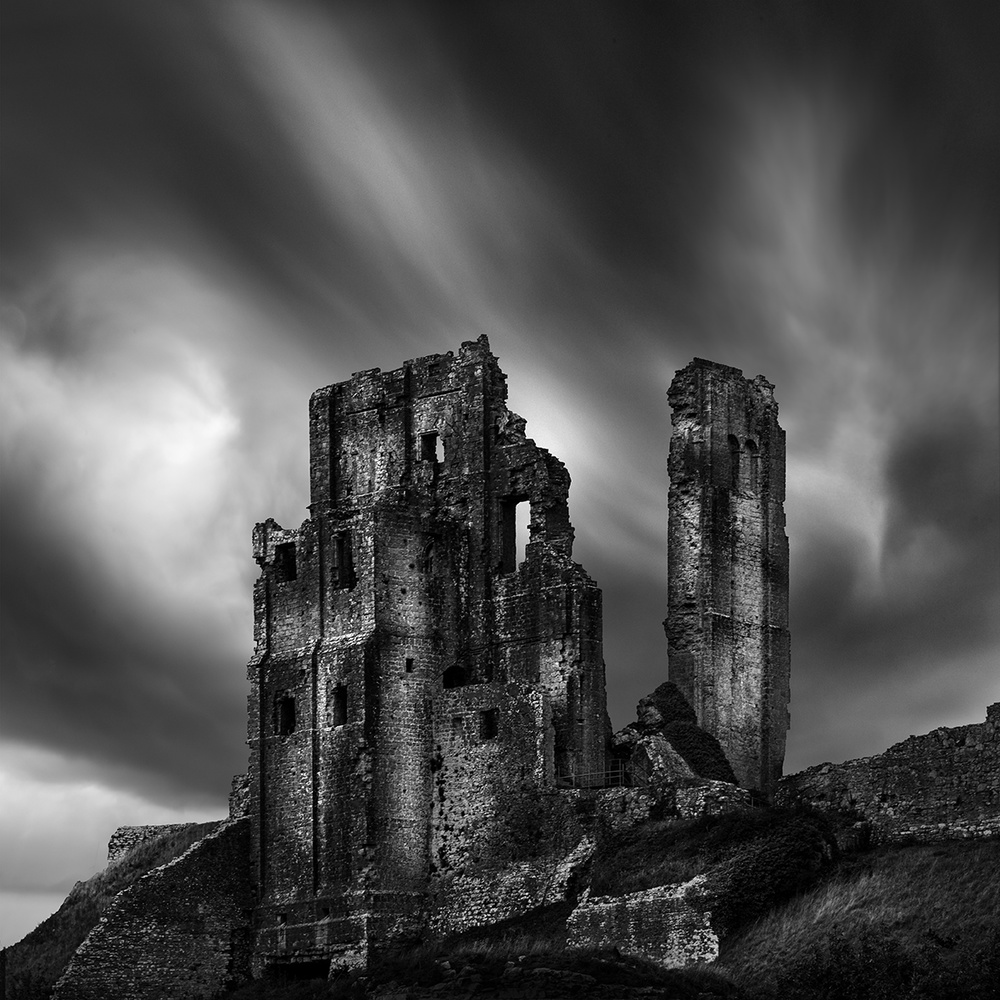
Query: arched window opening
754,454
456,676
515,520
426,563
284,715
734,462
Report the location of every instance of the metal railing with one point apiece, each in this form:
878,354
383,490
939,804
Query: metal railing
616,775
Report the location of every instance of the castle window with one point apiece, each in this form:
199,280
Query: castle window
427,558
754,462
515,517
340,705
489,724
284,562
342,569
431,447
284,715
455,676
734,462
409,665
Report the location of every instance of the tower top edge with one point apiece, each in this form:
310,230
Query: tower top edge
469,351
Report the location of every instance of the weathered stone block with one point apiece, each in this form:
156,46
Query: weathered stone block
670,925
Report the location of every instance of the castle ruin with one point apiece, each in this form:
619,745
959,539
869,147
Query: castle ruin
727,565
412,681
429,743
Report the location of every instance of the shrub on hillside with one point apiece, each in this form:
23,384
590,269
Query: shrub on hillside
768,870
765,853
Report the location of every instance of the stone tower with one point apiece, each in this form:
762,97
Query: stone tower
412,680
727,556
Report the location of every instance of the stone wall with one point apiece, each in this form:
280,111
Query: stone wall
727,557
127,838
669,925
490,896
178,933
942,785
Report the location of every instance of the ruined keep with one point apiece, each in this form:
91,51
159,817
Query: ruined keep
727,556
412,682
429,746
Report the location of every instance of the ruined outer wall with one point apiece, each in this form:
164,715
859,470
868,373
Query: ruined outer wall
178,932
942,785
127,838
727,622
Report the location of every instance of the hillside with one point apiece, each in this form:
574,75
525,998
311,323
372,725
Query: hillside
40,958
901,923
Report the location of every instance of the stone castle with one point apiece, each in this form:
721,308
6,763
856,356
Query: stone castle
429,743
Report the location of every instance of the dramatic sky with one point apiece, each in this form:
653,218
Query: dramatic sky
211,209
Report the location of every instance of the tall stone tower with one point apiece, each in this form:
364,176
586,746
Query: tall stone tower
414,683
727,556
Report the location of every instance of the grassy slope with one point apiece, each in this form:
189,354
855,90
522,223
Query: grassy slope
40,958
900,923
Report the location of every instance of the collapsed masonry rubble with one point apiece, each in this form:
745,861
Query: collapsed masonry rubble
429,744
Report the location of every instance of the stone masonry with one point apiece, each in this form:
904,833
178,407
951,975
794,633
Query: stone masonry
727,619
413,685
934,787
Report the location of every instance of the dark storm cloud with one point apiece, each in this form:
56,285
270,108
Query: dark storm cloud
94,672
379,179
141,124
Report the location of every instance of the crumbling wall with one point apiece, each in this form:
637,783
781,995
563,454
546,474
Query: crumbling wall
938,786
127,838
669,925
727,619
493,894
181,931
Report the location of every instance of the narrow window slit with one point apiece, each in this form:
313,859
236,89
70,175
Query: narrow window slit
489,723
339,705
284,715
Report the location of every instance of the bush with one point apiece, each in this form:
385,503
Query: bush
753,858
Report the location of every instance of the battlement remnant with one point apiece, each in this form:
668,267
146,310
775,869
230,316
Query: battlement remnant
727,557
